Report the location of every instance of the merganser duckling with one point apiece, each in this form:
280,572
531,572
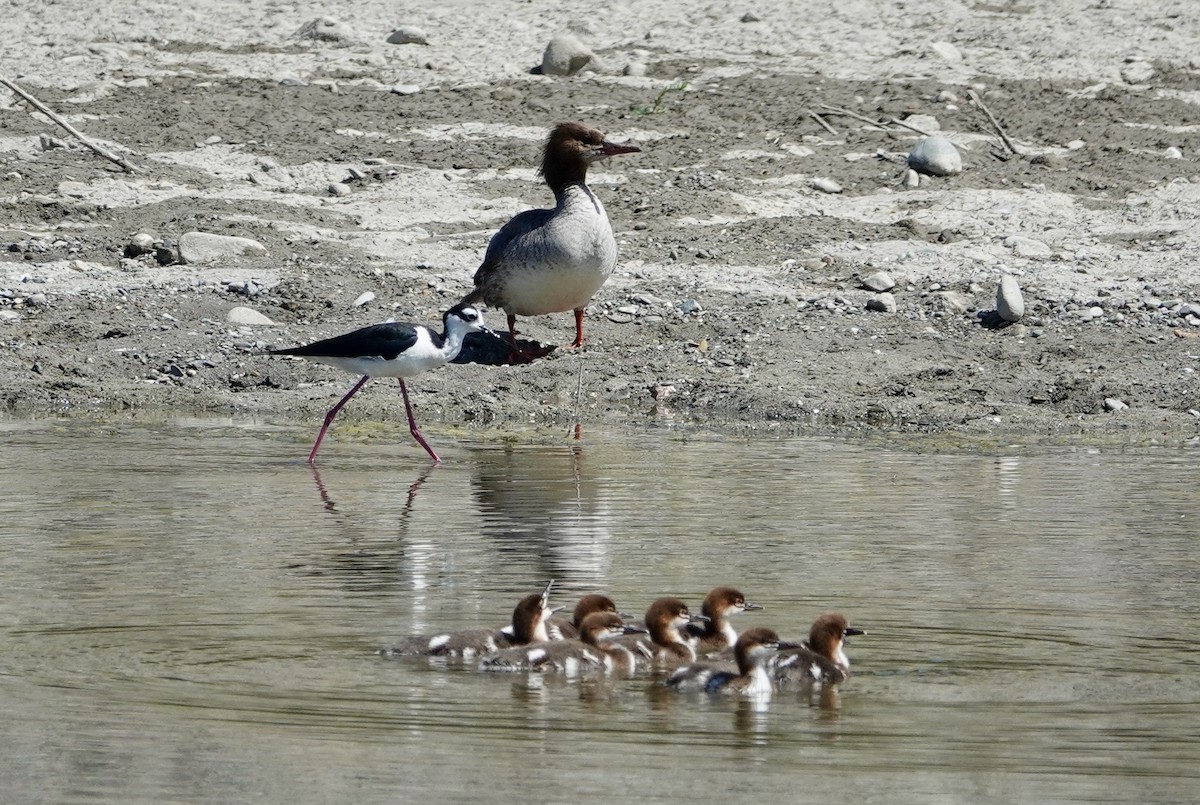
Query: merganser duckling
821,659
717,633
394,349
749,678
560,628
664,645
593,651
548,261
528,626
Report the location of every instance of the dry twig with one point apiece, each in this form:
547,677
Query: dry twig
909,126
999,129
837,110
822,122
45,110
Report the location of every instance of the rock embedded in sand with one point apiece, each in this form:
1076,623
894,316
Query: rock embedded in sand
364,298
566,55
825,185
1028,247
879,281
340,189
1137,72
1010,302
325,29
882,303
935,156
1113,404
248,316
946,51
408,35
204,247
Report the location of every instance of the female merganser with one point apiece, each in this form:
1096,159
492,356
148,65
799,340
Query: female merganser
394,350
664,645
548,261
750,678
717,633
528,626
560,628
593,651
821,658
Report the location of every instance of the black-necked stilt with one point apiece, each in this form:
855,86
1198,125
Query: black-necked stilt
548,261
394,350
822,658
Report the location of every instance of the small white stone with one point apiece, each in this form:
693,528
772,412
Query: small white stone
364,298
1138,72
1028,247
340,189
246,316
635,68
408,35
405,89
825,185
325,29
1010,302
879,281
1173,153
1076,145
1113,404
946,51
912,179
565,55
935,156
8,316
205,247
882,303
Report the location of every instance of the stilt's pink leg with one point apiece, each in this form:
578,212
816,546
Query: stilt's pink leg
334,412
412,424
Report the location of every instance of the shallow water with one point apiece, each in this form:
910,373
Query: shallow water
189,613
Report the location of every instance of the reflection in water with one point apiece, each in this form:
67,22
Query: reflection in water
1032,619
545,505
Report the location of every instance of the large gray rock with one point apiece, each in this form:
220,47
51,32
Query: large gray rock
935,156
204,247
566,55
248,316
1010,302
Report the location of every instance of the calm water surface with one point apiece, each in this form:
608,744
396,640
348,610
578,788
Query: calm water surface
188,613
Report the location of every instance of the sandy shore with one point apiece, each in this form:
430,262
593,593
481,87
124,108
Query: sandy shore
739,301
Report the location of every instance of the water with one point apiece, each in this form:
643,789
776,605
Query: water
188,613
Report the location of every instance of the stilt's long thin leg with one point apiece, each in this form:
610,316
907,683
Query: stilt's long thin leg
334,412
412,423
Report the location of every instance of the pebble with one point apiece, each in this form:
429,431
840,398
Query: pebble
1028,247
408,35
364,298
882,303
73,189
1138,72
565,55
204,247
635,68
955,301
325,29
247,316
9,316
879,281
47,143
36,299
340,189
1010,302
1092,313
946,51
689,306
912,179
139,244
1173,152
935,156
1113,404
825,185
405,89
750,16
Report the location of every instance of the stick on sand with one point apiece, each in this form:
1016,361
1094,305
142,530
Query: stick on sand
99,149
999,129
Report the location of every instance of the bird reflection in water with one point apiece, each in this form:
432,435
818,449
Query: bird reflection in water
331,505
543,505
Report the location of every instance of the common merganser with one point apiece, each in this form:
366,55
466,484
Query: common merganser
717,633
749,678
595,650
552,260
822,658
394,349
528,626
560,628
664,645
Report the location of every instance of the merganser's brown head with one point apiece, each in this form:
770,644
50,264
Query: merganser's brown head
664,618
723,601
530,616
569,150
752,645
603,626
827,634
588,604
